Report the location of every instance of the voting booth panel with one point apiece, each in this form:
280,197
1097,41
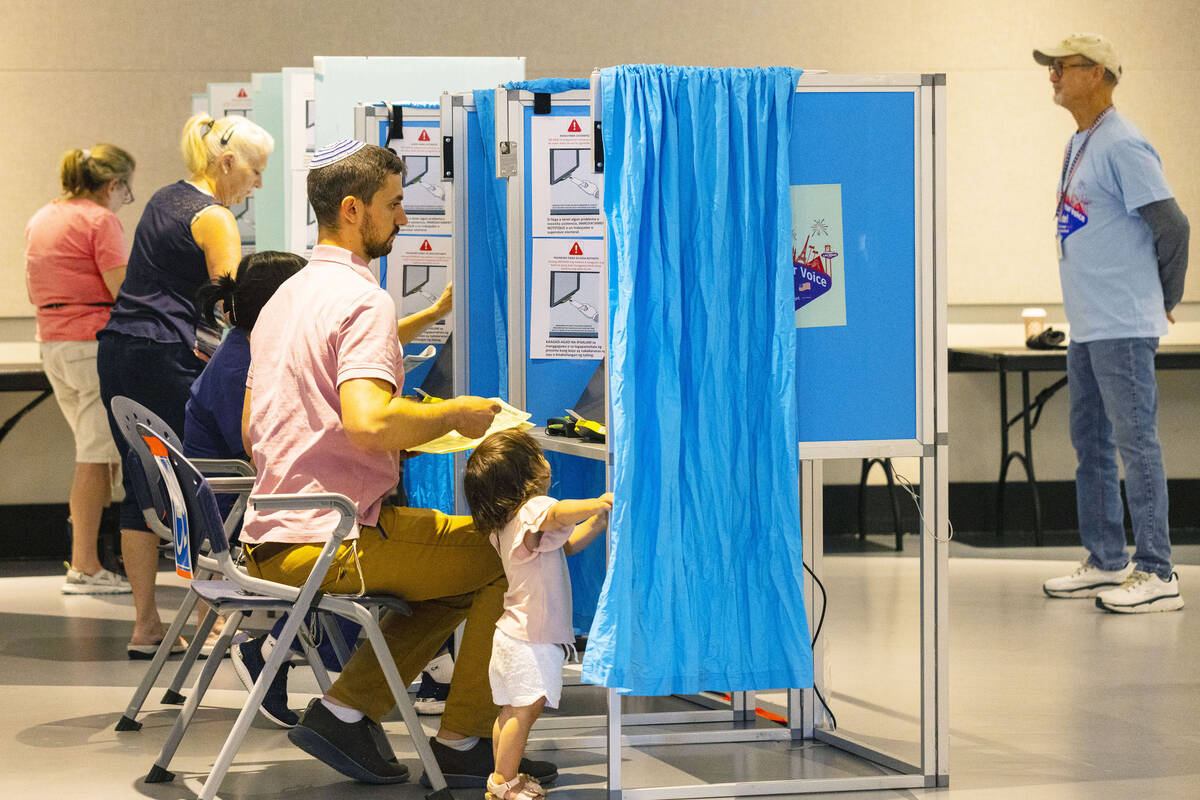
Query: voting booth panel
270,207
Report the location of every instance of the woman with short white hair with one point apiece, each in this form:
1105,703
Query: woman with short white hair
186,237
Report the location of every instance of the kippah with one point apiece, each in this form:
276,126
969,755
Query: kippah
333,153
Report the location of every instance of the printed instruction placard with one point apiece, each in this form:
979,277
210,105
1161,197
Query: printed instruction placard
566,191
424,194
818,256
565,319
418,269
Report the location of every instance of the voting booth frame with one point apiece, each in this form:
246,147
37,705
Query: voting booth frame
921,433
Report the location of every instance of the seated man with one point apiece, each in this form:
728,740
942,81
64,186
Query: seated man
323,413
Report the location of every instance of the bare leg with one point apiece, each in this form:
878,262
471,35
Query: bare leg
91,491
509,736
140,551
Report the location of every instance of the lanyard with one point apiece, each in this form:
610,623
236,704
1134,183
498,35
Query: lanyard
1064,180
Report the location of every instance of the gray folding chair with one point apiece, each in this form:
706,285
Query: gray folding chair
156,513
196,520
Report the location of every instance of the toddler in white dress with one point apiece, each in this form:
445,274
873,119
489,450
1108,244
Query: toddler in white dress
505,484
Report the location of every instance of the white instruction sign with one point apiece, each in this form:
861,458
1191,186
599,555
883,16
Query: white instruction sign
566,191
424,195
418,270
566,319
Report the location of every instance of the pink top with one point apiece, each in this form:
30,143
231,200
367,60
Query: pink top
68,244
327,324
537,605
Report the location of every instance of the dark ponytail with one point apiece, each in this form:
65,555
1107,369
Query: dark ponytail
243,297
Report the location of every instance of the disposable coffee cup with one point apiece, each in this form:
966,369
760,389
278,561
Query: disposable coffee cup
1035,322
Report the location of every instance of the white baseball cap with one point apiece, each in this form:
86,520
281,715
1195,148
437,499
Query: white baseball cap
1091,46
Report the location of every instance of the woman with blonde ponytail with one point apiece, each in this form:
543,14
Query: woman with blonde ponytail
186,237
75,257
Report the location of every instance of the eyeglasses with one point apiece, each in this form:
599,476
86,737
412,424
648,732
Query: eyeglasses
128,190
1057,66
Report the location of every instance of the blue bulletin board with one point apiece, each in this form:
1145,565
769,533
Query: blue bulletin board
857,380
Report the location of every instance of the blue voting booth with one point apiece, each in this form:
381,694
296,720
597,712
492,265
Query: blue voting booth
772,271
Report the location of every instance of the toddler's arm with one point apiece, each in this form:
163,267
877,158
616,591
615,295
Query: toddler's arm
593,513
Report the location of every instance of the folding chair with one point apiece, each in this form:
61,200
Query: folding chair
156,513
196,519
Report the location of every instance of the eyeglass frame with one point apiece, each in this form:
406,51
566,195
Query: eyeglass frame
128,189
1057,65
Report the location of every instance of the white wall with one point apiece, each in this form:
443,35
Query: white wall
72,73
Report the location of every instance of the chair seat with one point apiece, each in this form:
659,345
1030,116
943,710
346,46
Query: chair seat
389,602
223,594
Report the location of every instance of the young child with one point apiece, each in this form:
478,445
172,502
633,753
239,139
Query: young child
505,484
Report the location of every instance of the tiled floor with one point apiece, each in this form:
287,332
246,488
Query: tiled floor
1049,699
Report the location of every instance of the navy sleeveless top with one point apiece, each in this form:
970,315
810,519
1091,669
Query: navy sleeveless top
166,267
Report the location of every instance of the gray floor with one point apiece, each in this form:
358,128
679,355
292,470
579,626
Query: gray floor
1049,699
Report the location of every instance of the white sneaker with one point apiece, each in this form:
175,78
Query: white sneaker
103,582
1141,593
435,686
1086,581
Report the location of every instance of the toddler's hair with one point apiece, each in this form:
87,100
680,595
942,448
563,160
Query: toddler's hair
505,470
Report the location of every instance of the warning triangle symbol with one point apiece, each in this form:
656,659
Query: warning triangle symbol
574,127
241,93
425,246
424,137
576,250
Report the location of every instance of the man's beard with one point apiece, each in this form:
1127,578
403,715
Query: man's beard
376,247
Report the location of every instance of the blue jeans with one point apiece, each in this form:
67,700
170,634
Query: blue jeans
1114,405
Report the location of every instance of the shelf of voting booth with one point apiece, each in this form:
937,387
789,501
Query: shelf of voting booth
522,170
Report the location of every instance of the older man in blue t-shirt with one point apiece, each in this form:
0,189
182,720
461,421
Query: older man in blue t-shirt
1122,253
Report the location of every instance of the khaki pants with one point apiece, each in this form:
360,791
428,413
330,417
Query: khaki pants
446,571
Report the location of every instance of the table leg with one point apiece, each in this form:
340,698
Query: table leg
1027,425
1004,455
30,406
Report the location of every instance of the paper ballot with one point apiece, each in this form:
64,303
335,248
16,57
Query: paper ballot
452,442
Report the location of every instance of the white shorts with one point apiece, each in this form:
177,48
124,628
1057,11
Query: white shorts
71,368
521,672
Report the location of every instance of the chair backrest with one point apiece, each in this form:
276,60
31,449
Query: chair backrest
194,512
146,481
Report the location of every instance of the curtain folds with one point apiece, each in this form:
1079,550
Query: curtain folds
704,587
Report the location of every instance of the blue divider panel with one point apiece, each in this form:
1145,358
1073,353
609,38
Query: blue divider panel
574,477
857,382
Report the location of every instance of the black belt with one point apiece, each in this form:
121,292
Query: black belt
63,305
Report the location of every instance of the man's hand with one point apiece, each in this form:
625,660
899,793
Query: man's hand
473,415
1170,318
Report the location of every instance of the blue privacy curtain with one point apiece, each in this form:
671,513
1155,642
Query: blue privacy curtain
487,258
704,583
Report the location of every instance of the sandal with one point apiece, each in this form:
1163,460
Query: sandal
145,652
522,787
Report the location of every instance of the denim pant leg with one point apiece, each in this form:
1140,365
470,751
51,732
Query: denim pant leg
1097,482
1124,371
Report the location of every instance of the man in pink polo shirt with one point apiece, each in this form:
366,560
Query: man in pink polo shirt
323,414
